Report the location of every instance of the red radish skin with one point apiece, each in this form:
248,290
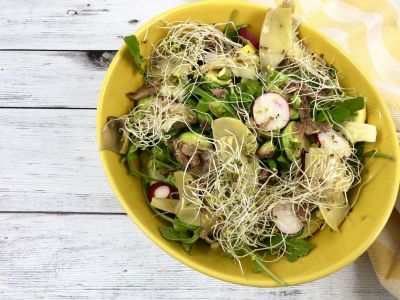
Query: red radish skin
271,111
246,34
160,190
333,140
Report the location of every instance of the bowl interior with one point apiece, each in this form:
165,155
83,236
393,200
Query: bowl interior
333,250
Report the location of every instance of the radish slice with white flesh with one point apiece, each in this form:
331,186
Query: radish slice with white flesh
271,111
160,190
285,219
334,141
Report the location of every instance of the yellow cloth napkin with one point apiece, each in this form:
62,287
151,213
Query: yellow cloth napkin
368,30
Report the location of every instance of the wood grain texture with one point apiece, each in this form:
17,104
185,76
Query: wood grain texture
52,78
49,162
107,257
74,24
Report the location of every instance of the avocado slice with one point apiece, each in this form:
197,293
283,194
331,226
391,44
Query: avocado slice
145,101
292,143
360,116
219,77
191,138
359,132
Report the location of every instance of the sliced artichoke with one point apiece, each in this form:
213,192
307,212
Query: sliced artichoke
235,133
276,37
188,210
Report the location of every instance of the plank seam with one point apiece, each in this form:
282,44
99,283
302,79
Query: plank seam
40,212
48,107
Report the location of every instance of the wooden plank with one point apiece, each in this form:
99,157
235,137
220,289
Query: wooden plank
74,24
107,257
52,78
49,162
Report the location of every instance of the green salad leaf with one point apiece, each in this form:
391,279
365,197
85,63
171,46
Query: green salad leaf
246,92
360,154
133,45
340,111
208,102
359,150
163,158
231,30
374,153
181,232
294,249
276,78
259,265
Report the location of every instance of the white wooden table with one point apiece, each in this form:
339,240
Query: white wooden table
62,232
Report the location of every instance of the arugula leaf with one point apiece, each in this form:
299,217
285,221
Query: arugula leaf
163,158
188,247
260,266
277,78
295,247
271,164
180,232
181,225
359,150
353,104
204,117
205,96
202,106
339,114
231,31
253,87
130,158
283,162
208,102
340,111
242,97
359,154
134,48
191,102
222,109
247,91
257,268
374,153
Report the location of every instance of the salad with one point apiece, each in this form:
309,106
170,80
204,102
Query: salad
248,144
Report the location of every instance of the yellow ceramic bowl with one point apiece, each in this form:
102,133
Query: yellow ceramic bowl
333,250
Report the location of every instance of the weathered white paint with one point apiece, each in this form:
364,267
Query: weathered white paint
107,257
49,162
74,24
52,78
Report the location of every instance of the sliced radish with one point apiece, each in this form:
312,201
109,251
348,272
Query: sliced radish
271,111
285,219
246,34
334,141
160,190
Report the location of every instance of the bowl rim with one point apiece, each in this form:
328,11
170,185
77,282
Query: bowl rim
186,259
